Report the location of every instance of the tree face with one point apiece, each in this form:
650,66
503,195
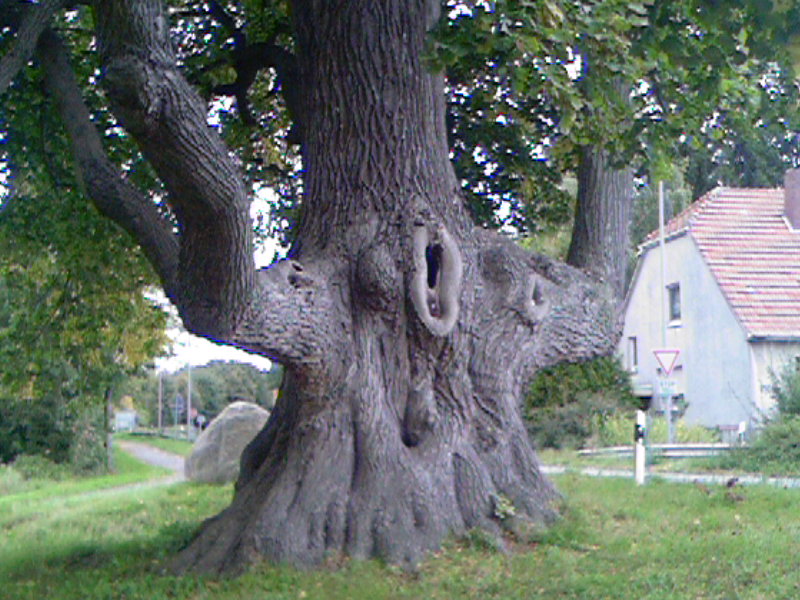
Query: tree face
406,332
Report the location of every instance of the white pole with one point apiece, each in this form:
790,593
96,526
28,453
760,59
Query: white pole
638,447
189,403
160,402
667,399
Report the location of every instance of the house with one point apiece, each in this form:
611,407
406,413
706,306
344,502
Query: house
729,301
125,420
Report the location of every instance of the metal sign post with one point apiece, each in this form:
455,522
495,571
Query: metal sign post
667,359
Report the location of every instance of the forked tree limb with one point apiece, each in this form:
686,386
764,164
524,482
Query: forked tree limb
167,118
113,195
219,293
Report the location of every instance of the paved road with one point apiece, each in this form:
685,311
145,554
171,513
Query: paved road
155,456
784,482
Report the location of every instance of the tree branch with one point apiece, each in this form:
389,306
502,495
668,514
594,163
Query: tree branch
248,60
167,118
34,20
290,318
282,313
113,196
543,310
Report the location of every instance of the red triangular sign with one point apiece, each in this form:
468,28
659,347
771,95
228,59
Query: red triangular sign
667,357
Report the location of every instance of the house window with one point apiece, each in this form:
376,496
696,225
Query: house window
633,355
674,297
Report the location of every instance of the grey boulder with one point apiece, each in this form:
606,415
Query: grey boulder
215,455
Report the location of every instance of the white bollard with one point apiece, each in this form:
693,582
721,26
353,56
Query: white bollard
638,447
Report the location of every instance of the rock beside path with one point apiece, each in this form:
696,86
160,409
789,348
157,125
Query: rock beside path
216,453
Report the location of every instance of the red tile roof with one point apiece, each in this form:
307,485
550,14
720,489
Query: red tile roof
753,254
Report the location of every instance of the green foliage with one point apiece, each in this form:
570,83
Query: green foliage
35,466
786,387
776,447
677,197
10,479
214,386
531,83
73,318
776,450
617,430
566,405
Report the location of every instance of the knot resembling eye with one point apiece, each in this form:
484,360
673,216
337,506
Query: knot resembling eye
436,285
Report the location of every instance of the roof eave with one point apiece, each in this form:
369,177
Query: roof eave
774,338
667,238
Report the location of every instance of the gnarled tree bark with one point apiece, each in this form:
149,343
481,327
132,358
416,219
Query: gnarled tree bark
407,334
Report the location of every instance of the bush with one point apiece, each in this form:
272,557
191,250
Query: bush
36,466
684,433
617,430
786,387
776,450
568,404
10,479
63,434
41,426
87,451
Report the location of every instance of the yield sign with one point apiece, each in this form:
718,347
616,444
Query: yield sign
667,357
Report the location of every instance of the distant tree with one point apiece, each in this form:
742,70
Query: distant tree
73,323
214,386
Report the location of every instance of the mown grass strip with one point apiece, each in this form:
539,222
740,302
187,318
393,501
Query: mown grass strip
616,540
175,446
128,470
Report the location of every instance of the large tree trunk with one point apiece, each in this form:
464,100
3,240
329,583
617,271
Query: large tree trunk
600,238
409,428
407,334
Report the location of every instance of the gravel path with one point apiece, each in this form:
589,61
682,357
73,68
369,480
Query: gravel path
155,456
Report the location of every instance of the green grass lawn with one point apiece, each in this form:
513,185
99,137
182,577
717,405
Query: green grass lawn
571,459
128,470
181,447
665,541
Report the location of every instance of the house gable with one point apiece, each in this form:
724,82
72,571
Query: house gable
707,333
753,254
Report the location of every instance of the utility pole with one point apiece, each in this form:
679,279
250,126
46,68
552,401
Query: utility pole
666,397
160,402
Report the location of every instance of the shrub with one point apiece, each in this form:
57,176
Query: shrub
776,450
87,451
684,433
617,430
36,466
786,387
10,479
568,404
63,434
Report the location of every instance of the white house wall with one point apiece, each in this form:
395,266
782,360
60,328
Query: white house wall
714,368
769,359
